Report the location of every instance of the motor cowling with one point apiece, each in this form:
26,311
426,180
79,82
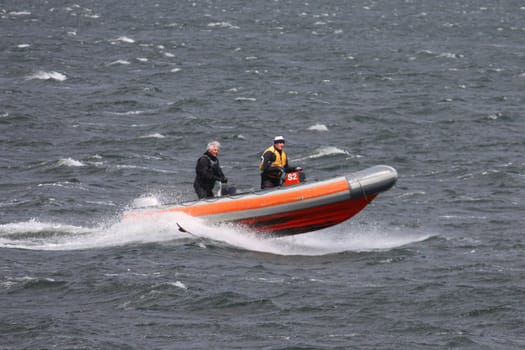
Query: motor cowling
294,177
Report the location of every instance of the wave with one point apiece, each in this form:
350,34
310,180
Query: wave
325,151
153,136
123,62
318,127
33,233
328,151
430,53
69,162
123,39
222,25
97,161
43,75
20,13
245,99
127,113
137,167
13,283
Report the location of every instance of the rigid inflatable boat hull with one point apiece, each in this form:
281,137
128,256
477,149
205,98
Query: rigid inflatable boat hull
290,210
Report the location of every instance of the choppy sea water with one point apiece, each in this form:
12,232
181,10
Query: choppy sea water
106,105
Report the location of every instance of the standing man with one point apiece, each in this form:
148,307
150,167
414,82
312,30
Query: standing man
208,171
274,164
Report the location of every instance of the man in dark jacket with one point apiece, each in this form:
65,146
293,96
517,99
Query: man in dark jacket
208,171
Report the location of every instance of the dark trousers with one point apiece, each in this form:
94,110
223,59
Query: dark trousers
267,182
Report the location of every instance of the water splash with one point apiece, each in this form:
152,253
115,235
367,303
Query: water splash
37,235
334,240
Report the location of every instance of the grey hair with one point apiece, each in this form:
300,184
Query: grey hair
214,144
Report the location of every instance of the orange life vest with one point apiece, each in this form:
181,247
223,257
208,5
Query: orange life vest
280,158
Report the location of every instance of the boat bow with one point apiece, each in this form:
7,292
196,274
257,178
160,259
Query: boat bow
371,181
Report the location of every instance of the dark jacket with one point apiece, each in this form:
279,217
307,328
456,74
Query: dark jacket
207,172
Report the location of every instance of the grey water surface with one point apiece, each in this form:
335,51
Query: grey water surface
106,105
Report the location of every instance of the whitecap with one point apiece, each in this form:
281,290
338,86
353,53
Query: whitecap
412,194
69,162
106,203
119,62
23,46
127,113
19,13
318,127
142,59
327,151
179,284
35,226
60,184
222,25
125,166
245,99
153,136
125,39
450,55
474,217
425,52
175,70
43,75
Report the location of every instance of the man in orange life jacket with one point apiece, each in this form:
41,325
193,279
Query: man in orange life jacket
274,164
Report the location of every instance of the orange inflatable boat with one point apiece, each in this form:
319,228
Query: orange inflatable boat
292,209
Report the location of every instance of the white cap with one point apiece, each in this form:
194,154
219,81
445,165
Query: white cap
278,138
